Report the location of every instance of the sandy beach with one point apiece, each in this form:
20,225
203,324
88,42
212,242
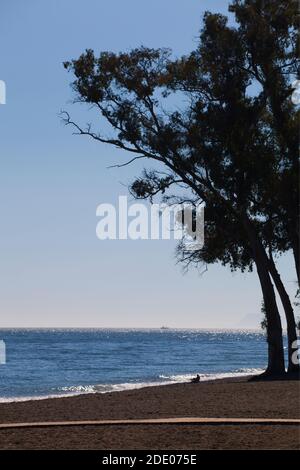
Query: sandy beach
235,398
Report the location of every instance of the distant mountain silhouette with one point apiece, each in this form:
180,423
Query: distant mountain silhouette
253,320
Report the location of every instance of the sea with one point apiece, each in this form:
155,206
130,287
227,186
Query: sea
43,363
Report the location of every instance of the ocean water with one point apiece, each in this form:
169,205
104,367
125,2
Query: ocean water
43,363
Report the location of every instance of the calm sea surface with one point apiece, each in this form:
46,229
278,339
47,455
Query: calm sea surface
44,363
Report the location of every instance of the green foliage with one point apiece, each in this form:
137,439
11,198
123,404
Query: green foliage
234,142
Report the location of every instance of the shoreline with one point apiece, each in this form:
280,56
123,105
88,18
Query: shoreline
122,387
222,398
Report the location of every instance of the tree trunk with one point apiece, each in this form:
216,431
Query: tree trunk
289,314
274,328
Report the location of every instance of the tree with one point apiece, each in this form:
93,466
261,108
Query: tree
217,147
225,243
270,31
264,322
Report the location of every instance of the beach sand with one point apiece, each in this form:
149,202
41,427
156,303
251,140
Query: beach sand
234,398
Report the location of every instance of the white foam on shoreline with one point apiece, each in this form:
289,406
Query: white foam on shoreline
66,392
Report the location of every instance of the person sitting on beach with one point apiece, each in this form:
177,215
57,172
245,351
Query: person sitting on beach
196,379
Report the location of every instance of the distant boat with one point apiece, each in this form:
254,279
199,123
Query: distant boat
164,328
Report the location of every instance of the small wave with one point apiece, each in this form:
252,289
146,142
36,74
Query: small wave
38,397
212,376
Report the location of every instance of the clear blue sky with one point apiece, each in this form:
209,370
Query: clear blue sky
53,269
